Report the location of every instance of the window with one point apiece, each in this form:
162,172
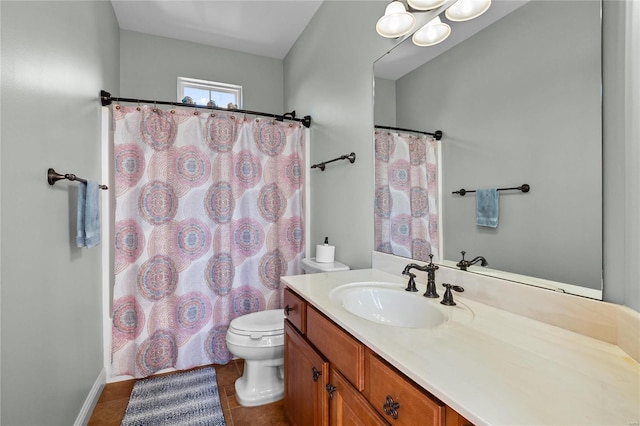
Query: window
202,91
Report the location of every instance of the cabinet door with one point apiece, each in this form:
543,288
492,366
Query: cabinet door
396,398
306,377
347,406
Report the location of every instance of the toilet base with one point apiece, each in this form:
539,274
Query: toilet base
261,383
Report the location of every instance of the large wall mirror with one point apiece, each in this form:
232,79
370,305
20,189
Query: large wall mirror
519,102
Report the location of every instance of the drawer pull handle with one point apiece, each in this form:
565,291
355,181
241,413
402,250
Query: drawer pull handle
330,389
287,309
391,407
316,373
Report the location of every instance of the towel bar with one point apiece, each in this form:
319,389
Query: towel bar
53,177
351,157
524,188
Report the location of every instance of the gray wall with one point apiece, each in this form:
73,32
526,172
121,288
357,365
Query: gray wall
150,66
521,103
56,56
328,74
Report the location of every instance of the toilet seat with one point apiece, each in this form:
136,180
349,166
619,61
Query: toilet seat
259,324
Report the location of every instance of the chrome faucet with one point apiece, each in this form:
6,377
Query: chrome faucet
430,269
464,264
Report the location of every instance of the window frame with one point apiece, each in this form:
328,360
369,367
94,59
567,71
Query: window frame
214,86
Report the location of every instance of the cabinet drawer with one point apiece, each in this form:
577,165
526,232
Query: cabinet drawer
295,310
343,351
415,406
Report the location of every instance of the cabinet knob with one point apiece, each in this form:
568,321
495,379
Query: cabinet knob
391,407
315,373
330,390
287,309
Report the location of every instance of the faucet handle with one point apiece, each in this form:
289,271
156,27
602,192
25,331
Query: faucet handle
447,299
411,285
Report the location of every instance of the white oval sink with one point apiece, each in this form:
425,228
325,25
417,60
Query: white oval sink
387,303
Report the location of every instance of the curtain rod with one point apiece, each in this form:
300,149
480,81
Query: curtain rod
437,134
106,99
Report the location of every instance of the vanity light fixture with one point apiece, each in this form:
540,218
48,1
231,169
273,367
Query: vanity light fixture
396,21
465,10
425,4
434,32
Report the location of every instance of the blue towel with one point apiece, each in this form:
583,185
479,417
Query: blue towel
88,224
487,207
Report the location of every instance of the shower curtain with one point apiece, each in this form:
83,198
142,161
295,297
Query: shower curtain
208,218
406,194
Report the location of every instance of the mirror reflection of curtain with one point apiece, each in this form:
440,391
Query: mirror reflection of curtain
208,218
406,195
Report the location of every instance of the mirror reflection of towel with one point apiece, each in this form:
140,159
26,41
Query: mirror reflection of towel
487,207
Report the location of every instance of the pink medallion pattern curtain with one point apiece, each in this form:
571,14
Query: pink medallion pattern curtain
208,218
406,195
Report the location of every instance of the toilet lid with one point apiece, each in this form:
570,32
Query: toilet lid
258,324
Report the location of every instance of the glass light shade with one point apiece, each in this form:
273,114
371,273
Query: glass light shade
434,32
465,10
396,21
426,4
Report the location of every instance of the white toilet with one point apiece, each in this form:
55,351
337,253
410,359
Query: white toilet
258,338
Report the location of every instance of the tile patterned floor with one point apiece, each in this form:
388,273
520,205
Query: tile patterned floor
115,396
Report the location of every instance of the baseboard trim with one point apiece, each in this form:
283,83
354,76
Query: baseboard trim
92,399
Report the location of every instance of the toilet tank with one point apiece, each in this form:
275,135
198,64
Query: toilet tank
310,266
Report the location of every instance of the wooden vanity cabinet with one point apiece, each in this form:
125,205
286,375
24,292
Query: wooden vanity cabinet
306,378
333,379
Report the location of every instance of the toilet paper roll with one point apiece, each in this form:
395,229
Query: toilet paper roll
325,253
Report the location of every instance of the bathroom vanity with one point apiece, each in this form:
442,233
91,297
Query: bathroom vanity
335,379
478,364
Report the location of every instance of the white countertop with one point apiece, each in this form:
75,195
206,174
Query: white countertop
492,366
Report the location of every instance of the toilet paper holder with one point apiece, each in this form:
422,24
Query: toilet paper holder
351,157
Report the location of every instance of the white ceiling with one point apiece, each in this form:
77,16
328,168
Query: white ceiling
270,27
261,27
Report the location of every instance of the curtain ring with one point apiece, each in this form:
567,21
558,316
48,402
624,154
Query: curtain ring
117,106
138,107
